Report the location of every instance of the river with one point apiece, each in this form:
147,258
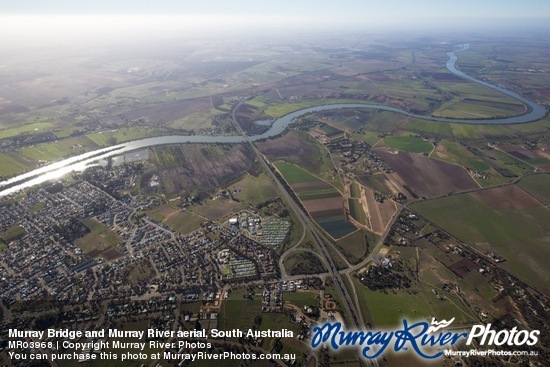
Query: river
78,163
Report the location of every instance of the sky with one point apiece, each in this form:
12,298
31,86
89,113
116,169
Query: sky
28,20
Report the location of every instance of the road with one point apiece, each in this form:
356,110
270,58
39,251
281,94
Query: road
320,241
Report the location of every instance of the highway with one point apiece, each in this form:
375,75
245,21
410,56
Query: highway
320,241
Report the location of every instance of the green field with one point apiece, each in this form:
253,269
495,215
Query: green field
519,235
303,262
355,190
217,209
10,166
456,153
294,174
12,233
58,149
538,186
238,312
38,127
408,144
99,238
357,212
354,246
301,299
390,308
183,221
254,189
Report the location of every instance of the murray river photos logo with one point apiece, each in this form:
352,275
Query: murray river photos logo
427,340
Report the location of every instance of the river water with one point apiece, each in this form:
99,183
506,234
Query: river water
80,162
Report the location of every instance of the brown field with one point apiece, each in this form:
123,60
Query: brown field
318,206
168,112
298,148
330,213
396,184
198,166
527,154
112,254
463,267
505,198
379,214
426,176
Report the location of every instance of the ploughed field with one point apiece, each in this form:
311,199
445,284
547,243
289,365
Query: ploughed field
426,176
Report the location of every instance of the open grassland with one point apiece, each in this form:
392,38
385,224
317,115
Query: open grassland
217,209
238,312
506,164
183,221
302,298
303,262
512,222
100,240
354,247
538,186
434,271
408,144
390,308
254,189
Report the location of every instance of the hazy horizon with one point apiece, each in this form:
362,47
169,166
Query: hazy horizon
33,22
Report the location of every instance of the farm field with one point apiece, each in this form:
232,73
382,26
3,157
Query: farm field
408,144
357,212
303,150
513,223
322,201
426,176
199,166
538,186
456,153
535,157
